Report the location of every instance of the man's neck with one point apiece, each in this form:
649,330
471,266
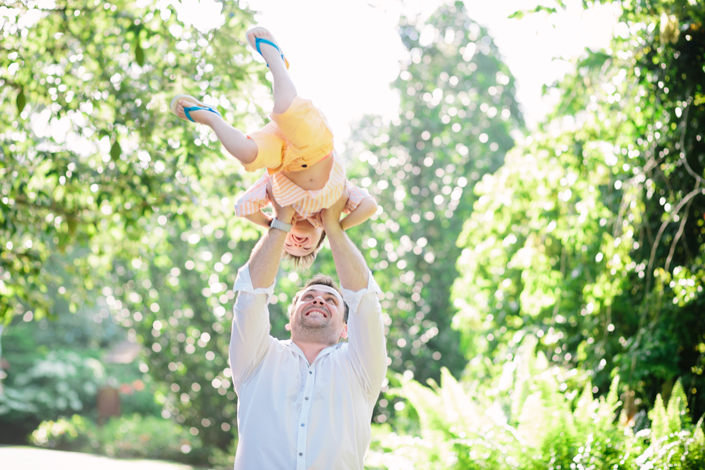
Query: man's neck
310,350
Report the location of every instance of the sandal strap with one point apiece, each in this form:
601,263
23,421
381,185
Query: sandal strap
198,108
266,41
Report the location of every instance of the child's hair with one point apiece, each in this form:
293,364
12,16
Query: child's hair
304,262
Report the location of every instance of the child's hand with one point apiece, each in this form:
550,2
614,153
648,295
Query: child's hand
283,214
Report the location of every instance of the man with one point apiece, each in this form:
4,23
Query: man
307,403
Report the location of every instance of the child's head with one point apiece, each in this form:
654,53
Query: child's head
303,243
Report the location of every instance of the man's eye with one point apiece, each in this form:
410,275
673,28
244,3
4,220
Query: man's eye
308,296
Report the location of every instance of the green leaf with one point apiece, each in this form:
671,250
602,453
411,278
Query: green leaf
115,150
139,53
71,221
659,420
594,59
519,14
21,101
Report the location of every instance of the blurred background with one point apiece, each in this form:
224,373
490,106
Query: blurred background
539,168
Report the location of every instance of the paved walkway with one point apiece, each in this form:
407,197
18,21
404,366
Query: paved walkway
32,458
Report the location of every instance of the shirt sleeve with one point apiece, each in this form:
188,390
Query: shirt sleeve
249,340
366,342
254,199
355,197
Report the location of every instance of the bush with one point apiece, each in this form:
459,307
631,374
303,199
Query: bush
61,382
125,437
66,434
530,420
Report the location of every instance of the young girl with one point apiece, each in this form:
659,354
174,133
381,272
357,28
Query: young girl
296,148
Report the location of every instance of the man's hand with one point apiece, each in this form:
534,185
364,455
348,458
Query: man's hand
283,214
330,218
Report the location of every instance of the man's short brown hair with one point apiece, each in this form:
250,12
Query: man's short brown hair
321,280
303,262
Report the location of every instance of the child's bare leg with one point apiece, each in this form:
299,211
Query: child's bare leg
235,141
284,90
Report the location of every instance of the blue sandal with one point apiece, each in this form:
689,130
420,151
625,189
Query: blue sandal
201,106
258,41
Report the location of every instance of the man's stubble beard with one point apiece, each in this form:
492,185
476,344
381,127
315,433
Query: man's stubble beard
317,333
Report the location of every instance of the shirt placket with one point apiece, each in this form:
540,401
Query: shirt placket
303,420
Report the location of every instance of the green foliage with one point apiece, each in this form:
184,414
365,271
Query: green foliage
541,423
64,434
56,368
588,236
89,151
106,196
591,235
180,308
457,109
125,437
61,382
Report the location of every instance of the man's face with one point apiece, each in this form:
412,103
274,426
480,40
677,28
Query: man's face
303,238
318,316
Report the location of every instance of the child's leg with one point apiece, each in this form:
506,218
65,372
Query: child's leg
235,141
303,126
284,90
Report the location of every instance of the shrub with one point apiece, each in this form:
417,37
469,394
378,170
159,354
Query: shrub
65,434
125,437
540,424
61,382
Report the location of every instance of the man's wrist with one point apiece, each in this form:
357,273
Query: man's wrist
331,224
285,216
279,224
333,229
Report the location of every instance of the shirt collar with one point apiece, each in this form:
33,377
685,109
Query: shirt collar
291,345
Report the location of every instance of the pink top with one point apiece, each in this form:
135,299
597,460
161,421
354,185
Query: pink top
307,203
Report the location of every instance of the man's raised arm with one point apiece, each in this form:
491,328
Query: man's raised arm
255,285
349,262
267,254
366,342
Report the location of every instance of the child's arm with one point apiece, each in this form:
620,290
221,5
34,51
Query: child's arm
260,218
364,211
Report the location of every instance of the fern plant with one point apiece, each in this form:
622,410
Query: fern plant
539,424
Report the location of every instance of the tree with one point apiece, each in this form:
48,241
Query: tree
90,153
456,114
591,234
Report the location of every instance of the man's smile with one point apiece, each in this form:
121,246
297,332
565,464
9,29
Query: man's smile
316,312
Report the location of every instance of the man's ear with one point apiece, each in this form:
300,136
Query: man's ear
288,327
344,333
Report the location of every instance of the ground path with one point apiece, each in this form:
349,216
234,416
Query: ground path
32,458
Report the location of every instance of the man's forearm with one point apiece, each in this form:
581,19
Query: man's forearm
349,262
266,257
259,218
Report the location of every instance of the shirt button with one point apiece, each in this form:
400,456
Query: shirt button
310,372
302,425
300,454
306,398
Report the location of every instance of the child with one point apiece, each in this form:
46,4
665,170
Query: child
296,148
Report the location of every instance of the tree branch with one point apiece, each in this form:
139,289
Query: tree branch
677,209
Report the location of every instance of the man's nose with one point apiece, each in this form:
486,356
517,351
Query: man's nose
319,300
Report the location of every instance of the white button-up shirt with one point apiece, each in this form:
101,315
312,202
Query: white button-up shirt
296,415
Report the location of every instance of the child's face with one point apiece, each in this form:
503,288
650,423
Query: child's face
303,238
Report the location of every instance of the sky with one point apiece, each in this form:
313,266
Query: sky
345,54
